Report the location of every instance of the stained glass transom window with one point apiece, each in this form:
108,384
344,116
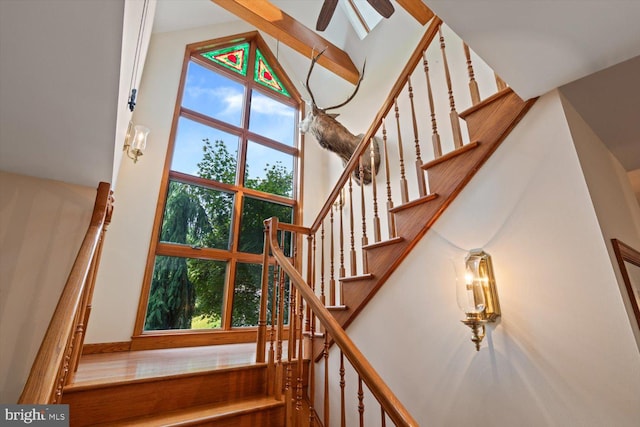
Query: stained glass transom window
264,75
234,58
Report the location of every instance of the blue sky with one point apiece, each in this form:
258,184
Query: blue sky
216,96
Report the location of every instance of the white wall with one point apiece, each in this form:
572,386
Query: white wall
126,246
615,204
563,352
42,224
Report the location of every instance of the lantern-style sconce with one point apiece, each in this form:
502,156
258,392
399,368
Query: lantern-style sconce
476,292
136,141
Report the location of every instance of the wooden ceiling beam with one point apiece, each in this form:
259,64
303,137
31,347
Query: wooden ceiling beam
270,19
417,9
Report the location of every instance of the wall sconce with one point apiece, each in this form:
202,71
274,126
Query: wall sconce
135,141
476,292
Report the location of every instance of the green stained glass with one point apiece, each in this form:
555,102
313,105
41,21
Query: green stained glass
265,76
234,58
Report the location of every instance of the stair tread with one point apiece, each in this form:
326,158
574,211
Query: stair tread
366,276
418,201
195,414
110,382
387,242
455,153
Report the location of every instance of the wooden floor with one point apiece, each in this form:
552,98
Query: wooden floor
133,365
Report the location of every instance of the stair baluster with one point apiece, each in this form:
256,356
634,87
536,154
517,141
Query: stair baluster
391,222
352,250
325,354
360,401
473,85
435,137
343,418
376,218
332,279
342,271
453,114
404,188
422,188
363,212
323,296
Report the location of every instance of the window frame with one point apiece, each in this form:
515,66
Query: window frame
142,339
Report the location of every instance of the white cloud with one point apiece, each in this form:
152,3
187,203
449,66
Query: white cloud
264,105
227,98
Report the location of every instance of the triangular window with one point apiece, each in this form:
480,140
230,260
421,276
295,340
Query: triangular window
234,58
265,76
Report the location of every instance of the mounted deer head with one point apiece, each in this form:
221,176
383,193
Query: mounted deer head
332,135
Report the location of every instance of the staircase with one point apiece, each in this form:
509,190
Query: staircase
230,395
281,389
489,122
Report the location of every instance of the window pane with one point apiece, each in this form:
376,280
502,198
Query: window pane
185,293
272,119
205,151
254,212
213,94
269,170
246,297
197,216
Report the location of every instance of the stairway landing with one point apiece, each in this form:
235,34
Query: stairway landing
136,365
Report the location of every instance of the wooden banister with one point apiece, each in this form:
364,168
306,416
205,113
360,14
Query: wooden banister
415,58
390,403
52,363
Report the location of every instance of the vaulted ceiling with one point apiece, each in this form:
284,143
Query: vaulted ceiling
60,67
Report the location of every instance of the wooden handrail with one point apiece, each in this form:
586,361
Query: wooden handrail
44,377
391,404
415,58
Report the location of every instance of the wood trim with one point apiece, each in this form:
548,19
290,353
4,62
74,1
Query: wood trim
413,61
106,347
230,254
624,253
50,359
268,18
391,404
417,9
175,339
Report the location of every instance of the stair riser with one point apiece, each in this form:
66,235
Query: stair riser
489,123
272,417
120,401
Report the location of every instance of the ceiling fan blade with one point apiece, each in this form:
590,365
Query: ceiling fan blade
383,7
328,7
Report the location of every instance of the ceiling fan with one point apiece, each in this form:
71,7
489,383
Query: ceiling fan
383,7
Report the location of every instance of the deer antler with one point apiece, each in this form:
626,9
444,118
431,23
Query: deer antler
354,92
306,85
313,101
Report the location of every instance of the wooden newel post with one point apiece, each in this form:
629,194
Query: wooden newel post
264,296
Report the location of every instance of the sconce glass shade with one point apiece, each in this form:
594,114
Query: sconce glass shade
476,293
136,141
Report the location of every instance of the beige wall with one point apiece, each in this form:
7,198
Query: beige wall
42,224
563,353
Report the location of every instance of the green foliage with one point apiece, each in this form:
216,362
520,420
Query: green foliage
189,293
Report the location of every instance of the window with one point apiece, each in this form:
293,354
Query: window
232,163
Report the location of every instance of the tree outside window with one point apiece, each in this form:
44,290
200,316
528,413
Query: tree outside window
233,164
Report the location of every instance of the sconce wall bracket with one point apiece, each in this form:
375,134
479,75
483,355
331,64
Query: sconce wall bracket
479,264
